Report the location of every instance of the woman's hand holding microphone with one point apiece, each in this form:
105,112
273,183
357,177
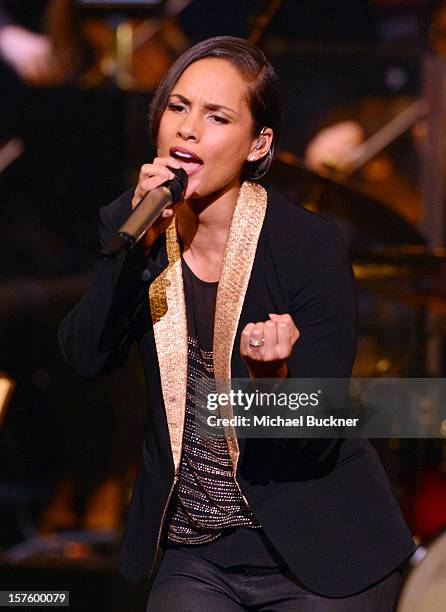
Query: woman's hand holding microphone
152,176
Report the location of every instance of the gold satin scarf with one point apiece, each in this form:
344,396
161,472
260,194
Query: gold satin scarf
168,310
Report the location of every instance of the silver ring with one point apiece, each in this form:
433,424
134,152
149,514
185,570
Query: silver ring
256,342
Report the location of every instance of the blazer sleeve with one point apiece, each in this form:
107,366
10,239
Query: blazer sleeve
323,304
95,337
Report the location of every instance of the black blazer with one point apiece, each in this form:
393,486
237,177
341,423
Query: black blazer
326,506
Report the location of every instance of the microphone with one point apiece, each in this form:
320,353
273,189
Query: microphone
145,213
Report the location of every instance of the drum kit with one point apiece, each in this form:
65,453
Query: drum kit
389,254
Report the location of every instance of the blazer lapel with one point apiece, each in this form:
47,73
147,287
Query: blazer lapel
168,309
238,260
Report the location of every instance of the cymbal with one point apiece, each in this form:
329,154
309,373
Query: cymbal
411,274
405,262
404,254
364,221
375,273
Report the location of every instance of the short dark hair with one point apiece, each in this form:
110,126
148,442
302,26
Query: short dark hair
263,90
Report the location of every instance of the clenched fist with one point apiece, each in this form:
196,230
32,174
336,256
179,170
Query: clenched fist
265,346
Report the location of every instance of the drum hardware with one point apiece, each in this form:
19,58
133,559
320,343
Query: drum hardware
406,261
389,256
335,178
262,18
409,275
363,153
367,221
132,24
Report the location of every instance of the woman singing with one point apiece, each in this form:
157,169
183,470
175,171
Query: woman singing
236,281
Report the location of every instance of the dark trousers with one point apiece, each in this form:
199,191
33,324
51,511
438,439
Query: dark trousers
187,583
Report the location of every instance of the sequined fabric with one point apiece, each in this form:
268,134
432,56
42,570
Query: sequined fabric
206,499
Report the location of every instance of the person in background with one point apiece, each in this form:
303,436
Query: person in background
24,46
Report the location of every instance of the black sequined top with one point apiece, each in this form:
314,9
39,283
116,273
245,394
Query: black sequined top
207,498
207,508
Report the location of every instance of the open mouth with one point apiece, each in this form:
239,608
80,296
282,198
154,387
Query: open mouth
190,162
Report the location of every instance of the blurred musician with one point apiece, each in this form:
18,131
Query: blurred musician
24,46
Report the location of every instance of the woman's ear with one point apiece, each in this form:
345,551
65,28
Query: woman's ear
261,145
